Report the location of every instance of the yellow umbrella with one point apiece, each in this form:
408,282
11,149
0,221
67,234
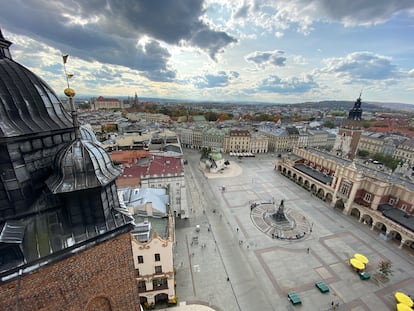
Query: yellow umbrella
403,307
356,264
361,258
403,298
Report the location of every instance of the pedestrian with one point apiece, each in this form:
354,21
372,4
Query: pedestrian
237,229
307,250
228,279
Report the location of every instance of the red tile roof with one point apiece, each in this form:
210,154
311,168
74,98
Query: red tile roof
103,99
128,156
159,165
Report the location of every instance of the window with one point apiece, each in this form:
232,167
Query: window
345,188
391,201
367,197
404,207
158,269
136,273
159,283
142,286
140,259
157,257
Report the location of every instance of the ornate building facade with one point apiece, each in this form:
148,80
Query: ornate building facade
377,199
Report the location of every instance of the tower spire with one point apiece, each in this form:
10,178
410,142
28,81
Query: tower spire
4,47
70,93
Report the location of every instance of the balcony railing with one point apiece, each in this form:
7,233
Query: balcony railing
160,287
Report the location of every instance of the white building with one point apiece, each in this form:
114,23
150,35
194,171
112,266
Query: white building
152,246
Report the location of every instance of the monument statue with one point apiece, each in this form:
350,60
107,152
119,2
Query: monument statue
280,216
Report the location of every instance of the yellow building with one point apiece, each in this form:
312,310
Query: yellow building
106,103
237,141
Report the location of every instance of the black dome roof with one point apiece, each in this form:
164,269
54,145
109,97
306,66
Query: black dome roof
82,165
27,104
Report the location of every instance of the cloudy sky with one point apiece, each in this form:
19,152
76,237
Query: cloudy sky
267,50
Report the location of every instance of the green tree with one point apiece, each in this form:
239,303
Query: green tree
387,160
211,116
363,153
205,152
329,124
385,268
366,124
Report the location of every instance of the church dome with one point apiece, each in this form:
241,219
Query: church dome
87,134
82,165
27,104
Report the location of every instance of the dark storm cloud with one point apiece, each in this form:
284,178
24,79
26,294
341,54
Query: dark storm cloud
362,12
262,59
209,80
213,43
109,30
295,85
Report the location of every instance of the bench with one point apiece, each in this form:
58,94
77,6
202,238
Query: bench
364,275
322,286
294,298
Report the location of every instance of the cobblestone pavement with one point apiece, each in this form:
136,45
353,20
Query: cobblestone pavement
229,264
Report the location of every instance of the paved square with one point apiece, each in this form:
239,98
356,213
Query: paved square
241,268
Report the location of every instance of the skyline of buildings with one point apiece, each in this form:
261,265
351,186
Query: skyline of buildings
62,210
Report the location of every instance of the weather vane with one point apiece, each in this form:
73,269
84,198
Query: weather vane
69,92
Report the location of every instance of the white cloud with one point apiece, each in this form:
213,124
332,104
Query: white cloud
265,58
362,65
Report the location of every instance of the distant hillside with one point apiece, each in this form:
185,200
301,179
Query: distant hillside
347,105
396,106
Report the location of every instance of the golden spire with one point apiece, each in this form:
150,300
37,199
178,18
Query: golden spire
69,92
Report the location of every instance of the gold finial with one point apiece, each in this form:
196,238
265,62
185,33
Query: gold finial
69,92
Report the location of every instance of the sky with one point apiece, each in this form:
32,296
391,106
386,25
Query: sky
275,51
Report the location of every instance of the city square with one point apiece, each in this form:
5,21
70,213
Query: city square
224,261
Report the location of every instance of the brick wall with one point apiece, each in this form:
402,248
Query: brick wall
99,278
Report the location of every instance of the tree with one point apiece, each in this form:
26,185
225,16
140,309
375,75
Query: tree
366,124
205,152
363,153
329,124
385,268
210,116
387,160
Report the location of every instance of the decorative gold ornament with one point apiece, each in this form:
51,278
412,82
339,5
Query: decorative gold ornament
69,92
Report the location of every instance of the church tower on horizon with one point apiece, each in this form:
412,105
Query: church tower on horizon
346,142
